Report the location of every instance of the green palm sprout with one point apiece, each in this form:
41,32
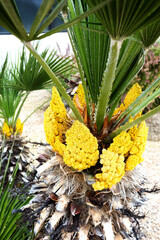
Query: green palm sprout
10,98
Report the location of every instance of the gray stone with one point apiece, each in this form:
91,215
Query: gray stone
154,127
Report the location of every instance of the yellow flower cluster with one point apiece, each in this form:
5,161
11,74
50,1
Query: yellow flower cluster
81,96
121,143
112,170
139,138
81,151
7,130
58,107
120,109
19,127
131,96
127,145
79,147
55,124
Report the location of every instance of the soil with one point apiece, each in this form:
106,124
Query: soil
33,131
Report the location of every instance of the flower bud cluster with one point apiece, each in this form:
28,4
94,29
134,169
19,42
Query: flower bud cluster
79,147
81,96
81,150
112,170
139,138
9,130
55,122
128,146
131,96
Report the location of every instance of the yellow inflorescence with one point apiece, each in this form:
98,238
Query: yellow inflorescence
121,143
79,147
81,96
139,138
133,161
7,130
57,106
119,110
55,124
81,151
127,145
19,127
112,170
131,96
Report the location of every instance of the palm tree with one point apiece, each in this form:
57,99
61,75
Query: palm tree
88,187
15,87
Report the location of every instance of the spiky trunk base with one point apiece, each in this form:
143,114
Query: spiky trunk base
14,151
65,205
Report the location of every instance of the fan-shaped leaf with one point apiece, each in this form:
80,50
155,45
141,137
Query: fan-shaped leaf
122,18
150,34
91,47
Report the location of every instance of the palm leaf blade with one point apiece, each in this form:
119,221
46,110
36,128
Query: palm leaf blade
123,18
73,21
41,14
9,6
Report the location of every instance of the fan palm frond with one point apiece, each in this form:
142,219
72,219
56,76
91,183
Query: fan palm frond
123,18
10,97
48,11
55,80
10,19
131,60
92,47
26,76
150,34
31,76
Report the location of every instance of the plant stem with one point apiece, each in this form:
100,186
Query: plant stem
55,80
107,83
16,115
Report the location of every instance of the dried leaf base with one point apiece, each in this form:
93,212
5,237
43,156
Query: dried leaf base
66,207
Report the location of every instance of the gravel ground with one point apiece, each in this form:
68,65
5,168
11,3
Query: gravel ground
33,131
151,166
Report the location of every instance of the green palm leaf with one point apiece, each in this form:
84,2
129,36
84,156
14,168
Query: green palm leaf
122,18
129,63
48,11
91,47
55,80
93,60
41,14
10,19
51,16
127,126
150,34
10,97
10,223
31,76
28,75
